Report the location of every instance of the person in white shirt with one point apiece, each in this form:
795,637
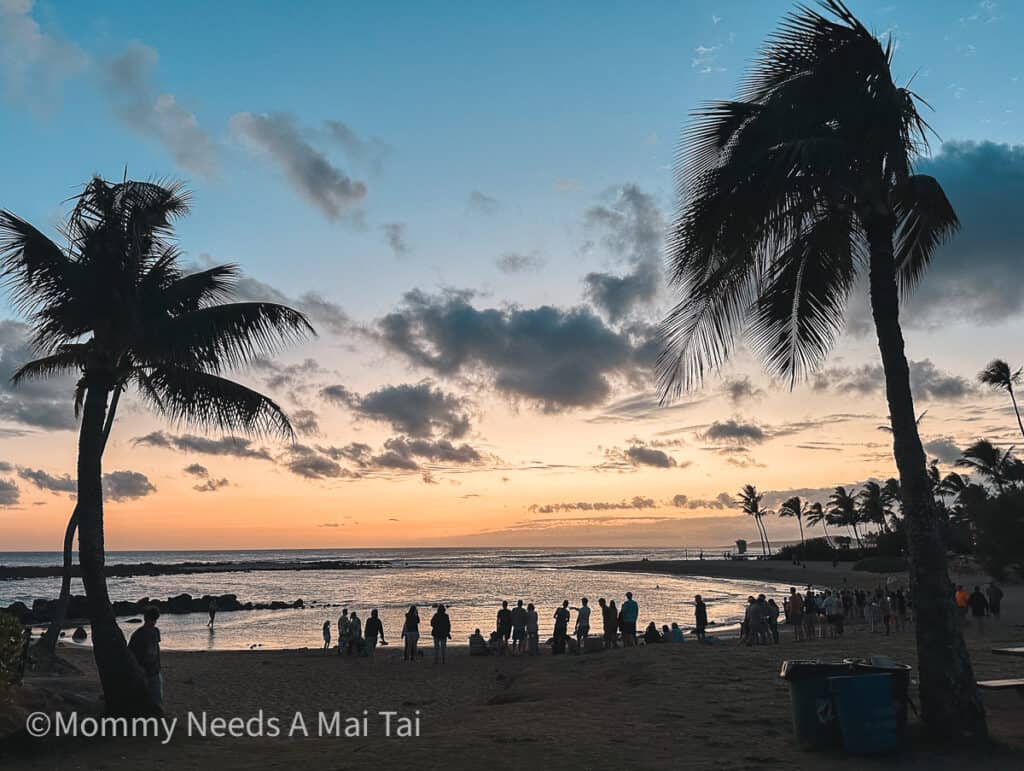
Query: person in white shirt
582,622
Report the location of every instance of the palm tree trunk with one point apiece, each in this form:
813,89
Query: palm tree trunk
1016,409
950,705
124,688
767,542
803,548
48,642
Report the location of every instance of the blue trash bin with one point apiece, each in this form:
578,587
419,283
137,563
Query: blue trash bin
814,719
867,713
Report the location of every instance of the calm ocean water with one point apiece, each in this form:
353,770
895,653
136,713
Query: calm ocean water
471,582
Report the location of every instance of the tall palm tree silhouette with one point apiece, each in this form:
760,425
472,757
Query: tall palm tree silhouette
842,511
788,194
874,505
114,308
794,507
1000,467
999,375
749,501
816,515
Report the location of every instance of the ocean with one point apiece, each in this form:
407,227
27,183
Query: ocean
470,582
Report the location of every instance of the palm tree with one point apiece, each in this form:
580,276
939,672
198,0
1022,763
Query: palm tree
999,375
749,501
793,507
842,511
874,505
789,194
1000,467
952,485
113,307
816,515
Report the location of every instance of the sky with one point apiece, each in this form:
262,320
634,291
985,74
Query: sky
470,201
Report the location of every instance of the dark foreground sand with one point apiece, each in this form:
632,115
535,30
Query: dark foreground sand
671,706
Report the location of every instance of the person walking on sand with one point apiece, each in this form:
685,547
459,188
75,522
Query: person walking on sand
411,633
582,624
373,632
561,628
504,624
145,647
441,631
519,620
212,610
978,603
995,599
327,634
630,612
700,616
532,630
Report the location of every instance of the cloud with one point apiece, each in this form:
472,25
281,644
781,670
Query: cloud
396,238
9,492
34,65
293,377
306,422
633,230
642,455
741,389
211,485
927,382
157,116
558,359
638,502
705,59
367,154
944,449
44,403
305,462
440,451
417,410
512,262
721,501
734,431
321,311
482,203
679,501
126,485
196,470
46,481
227,445
307,170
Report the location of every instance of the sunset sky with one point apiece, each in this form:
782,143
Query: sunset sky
469,201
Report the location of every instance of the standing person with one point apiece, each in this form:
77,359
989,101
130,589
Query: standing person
901,609
582,624
978,603
519,620
145,646
212,610
504,624
834,614
961,597
810,614
374,630
995,599
609,622
411,633
561,628
796,614
773,620
343,631
700,616
629,612
532,630
885,609
327,634
441,631
355,634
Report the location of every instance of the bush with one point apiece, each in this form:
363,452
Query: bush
816,550
12,649
999,533
881,564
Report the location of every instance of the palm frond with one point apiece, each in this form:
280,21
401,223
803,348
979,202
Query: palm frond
70,359
35,270
925,220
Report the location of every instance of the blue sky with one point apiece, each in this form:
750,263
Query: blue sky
364,150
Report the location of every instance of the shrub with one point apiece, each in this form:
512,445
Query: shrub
12,649
999,532
881,564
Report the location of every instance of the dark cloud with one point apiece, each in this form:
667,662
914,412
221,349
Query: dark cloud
143,109
482,203
643,455
638,502
295,378
310,173
440,451
740,389
633,230
211,485
9,492
395,236
44,403
944,449
734,431
306,422
307,463
227,445
46,481
126,485
417,410
721,501
197,470
927,381
513,262
368,154
559,359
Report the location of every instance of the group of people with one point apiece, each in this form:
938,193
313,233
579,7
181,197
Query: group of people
353,637
979,604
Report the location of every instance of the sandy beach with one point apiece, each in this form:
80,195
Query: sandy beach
716,706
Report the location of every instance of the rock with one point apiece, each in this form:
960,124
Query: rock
79,635
181,603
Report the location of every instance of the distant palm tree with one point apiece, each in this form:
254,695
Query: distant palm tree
114,308
952,485
842,512
874,505
999,375
789,194
794,507
816,515
749,501
1000,467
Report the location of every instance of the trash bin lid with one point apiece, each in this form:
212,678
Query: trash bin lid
795,669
